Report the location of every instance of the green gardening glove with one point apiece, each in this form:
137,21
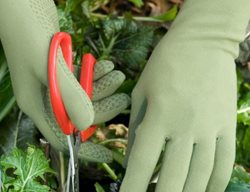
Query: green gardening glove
26,28
185,102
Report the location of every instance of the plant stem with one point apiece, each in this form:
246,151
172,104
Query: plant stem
107,50
17,127
113,140
147,19
109,171
243,110
62,169
28,177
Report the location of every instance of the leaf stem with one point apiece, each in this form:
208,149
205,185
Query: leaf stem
20,114
28,177
109,171
113,140
147,19
62,169
107,50
243,110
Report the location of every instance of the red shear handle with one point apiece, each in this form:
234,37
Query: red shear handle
60,113
86,79
87,75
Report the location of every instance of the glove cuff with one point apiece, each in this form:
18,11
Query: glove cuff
221,23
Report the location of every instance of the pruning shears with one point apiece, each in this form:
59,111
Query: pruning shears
74,136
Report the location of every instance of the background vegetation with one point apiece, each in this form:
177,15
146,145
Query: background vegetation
124,31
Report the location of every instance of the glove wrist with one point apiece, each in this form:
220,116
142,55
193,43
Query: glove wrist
217,22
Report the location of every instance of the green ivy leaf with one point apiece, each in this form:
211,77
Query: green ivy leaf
240,175
127,86
132,49
237,187
24,170
65,21
169,15
125,42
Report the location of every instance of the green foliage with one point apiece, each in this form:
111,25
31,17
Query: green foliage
16,131
240,180
124,41
23,171
7,99
240,175
99,188
137,3
8,133
243,121
169,15
237,187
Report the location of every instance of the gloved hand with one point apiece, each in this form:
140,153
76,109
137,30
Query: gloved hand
26,28
185,101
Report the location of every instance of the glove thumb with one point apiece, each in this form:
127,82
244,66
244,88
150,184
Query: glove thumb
76,101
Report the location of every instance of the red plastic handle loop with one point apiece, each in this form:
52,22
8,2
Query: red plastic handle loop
87,133
60,113
86,78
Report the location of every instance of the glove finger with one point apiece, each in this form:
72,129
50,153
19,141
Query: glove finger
103,67
143,157
224,160
107,85
174,171
202,159
138,109
95,153
76,101
107,108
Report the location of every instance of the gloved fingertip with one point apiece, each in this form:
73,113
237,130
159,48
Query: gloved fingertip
111,106
108,84
103,67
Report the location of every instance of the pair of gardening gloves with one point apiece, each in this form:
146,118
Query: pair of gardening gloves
183,105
